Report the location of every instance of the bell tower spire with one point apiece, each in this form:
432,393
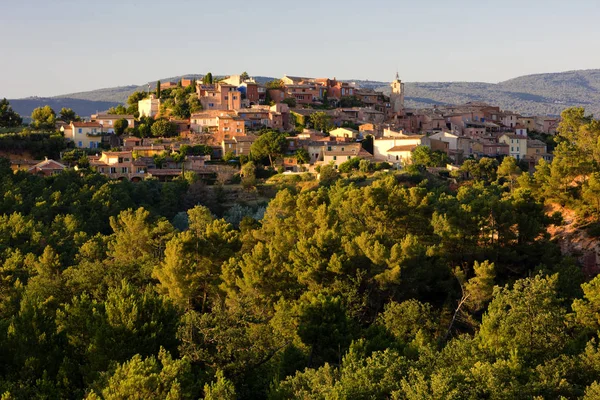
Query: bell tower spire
397,95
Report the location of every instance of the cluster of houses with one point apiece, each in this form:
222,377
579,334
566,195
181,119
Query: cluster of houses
235,108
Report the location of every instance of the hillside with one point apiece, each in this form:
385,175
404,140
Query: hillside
531,94
544,94
82,107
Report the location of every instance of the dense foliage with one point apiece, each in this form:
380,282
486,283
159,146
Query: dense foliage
397,285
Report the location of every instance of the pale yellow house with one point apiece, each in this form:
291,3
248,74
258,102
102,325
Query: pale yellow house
85,135
517,144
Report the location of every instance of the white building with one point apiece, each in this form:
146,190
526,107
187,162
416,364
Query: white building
447,137
398,149
149,107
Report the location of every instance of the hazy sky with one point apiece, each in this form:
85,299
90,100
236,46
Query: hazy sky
63,46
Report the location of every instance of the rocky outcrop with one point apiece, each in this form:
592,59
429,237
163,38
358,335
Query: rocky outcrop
575,241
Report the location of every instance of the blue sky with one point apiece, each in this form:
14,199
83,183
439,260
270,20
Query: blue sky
63,46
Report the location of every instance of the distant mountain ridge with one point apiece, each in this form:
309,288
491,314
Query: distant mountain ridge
541,94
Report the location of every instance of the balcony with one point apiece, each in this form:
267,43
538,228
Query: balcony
96,134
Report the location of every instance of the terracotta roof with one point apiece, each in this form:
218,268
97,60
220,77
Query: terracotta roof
535,143
364,153
86,125
409,147
116,153
244,138
49,164
164,172
495,144
340,153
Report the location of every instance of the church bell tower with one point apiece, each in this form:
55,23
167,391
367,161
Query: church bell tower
397,95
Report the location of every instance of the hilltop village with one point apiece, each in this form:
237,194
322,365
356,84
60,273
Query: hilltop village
205,126
302,238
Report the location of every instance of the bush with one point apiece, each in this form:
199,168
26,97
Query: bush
328,174
365,166
349,165
382,165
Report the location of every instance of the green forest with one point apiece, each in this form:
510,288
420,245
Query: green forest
370,285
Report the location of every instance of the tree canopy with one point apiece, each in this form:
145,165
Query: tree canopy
8,117
364,285
43,118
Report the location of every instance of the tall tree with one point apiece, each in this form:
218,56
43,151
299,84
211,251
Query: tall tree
527,318
321,121
158,89
68,115
150,378
271,144
208,79
163,128
43,118
120,125
8,117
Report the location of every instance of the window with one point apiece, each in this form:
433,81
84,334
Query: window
348,157
80,131
79,144
124,170
335,157
328,147
113,170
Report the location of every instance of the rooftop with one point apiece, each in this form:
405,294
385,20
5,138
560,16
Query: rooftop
409,147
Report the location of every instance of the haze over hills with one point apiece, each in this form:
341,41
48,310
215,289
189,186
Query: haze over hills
543,94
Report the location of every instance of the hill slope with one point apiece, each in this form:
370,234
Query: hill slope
531,94
82,107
